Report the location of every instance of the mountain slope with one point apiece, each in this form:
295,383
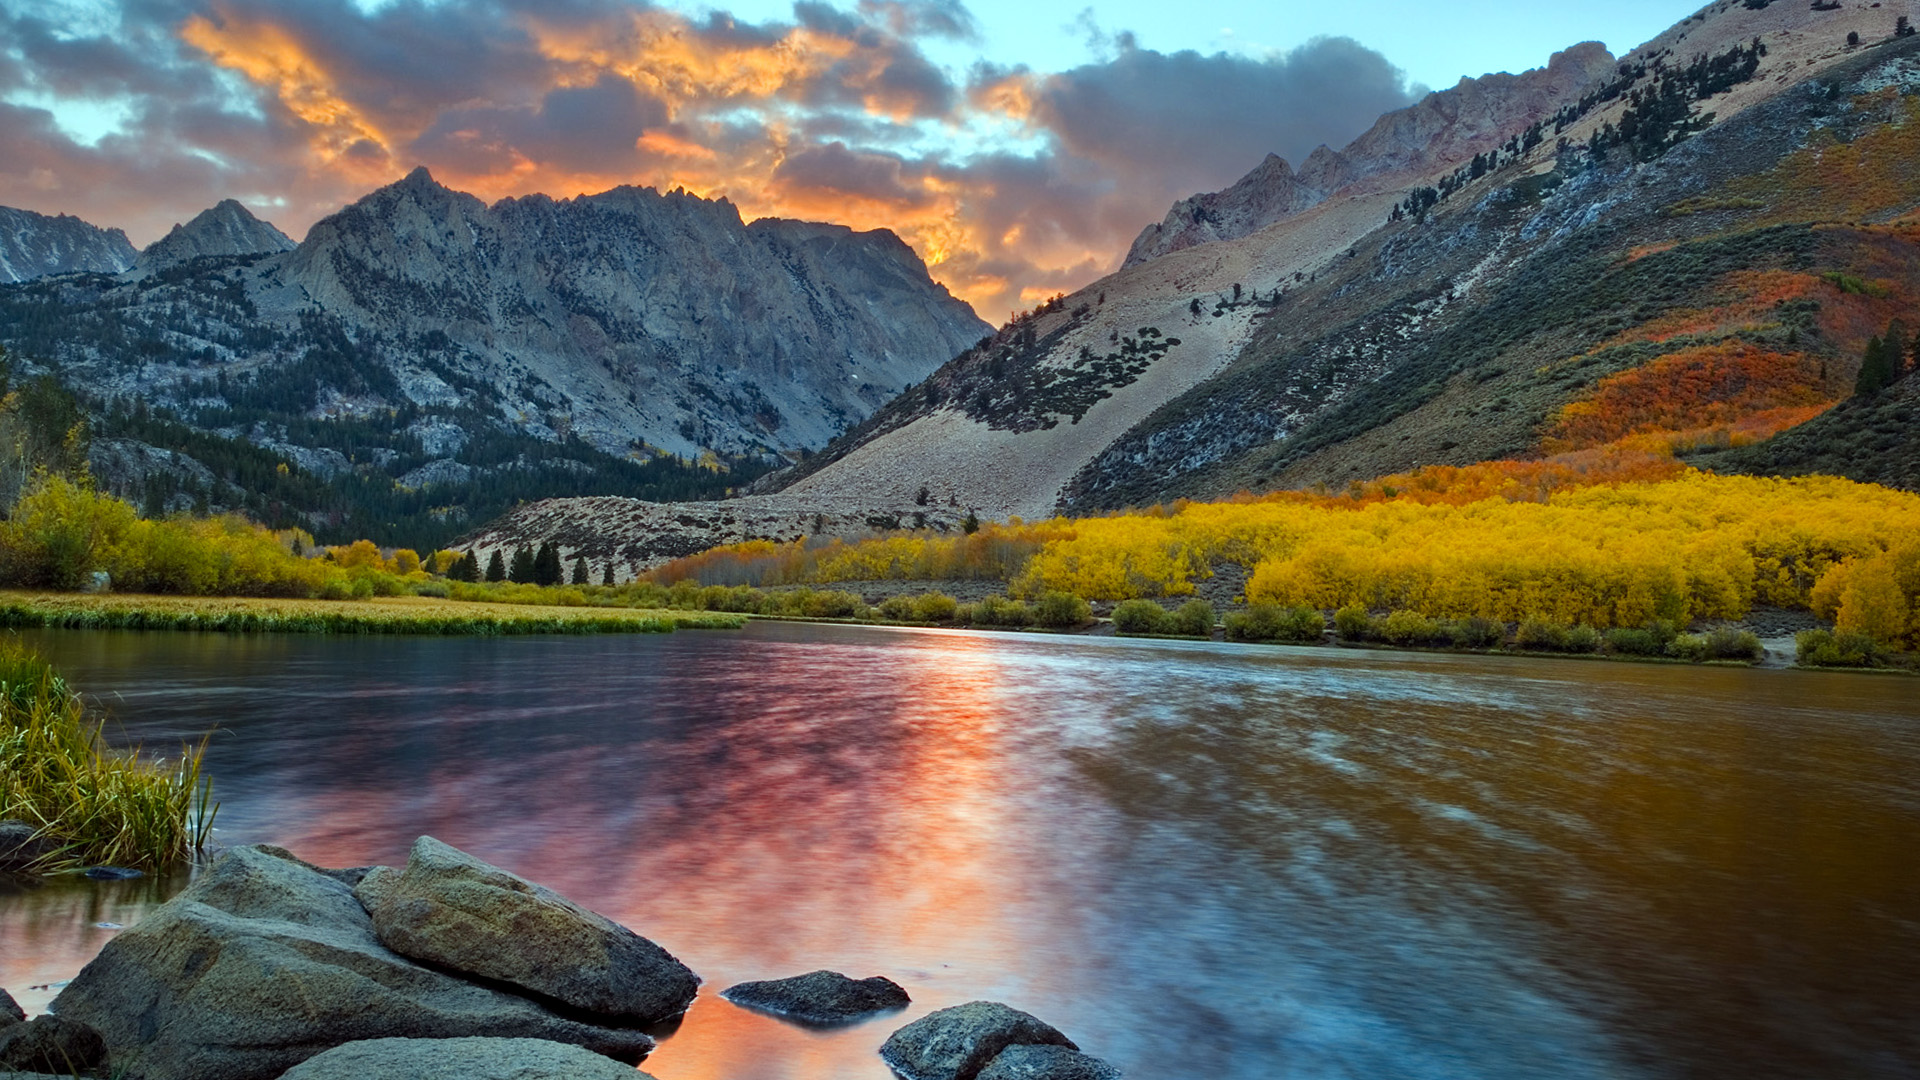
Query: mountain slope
223,230
35,245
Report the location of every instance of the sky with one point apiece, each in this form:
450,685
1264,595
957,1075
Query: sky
1018,145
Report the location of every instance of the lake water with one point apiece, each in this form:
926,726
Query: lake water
1200,861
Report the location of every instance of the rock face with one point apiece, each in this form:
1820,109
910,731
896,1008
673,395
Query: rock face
10,1011
51,1044
453,911
820,997
264,962
35,245
1472,117
957,1043
20,848
460,1059
1047,1063
225,229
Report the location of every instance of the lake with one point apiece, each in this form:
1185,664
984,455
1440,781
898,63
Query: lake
1200,861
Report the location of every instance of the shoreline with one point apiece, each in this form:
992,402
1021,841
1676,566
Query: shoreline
396,615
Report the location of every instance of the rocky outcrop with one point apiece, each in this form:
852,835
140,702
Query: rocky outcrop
958,1042
457,913
10,1011
460,1059
225,229
22,847
1440,131
51,1044
820,997
35,245
264,962
1047,1063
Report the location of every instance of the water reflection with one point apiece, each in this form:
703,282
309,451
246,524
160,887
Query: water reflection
1200,861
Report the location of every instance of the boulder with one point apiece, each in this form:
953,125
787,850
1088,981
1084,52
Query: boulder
21,846
1046,1063
956,1043
262,963
460,1059
10,1011
820,997
455,912
51,1044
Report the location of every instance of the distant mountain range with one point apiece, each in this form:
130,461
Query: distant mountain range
422,358
35,245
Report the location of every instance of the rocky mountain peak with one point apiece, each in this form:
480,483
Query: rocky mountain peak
227,228
35,245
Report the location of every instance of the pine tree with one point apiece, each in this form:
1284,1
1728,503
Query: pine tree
972,524
1876,370
521,572
606,576
496,567
580,574
465,568
546,565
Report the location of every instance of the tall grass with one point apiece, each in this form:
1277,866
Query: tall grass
94,803
396,615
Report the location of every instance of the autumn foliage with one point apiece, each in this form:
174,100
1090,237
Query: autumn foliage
1732,385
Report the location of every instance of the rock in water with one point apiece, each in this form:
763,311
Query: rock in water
263,963
10,1011
21,846
956,1043
51,1044
460,1059
820,997
456,912
1046,1063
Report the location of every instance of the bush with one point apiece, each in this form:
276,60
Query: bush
832,605
1192,619
1584,639
1140,617
897,609
1271,622
1353,623
1000,611
935,607
1727,643
1691,647
1477,633
1542,634
1061,610
1631,642
1411,628
1823,648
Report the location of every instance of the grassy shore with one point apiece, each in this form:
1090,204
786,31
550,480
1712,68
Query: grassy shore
379,615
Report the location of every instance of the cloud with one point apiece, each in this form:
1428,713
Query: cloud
1011,183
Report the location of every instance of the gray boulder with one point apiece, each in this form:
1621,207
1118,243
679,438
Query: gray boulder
460,1059
820,997
21,847
51,1044
956,1043
1046,1063
10,1011
263,963
455,912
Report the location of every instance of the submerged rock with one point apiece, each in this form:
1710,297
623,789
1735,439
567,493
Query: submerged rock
820,997
263,963
51,1044
10,1011
453,911
1046,1063
460,1059
113,873
21,846
956,1043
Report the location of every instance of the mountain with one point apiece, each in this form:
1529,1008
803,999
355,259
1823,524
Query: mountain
35,245
421,360
1505,251
226,229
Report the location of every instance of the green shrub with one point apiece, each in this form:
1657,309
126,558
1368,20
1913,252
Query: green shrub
935,607
965,614
1727,643
834,605
1477,633
897,609
1271,622
437,589
1000,611
1542,634
1691,647
1410,628
1192,619
1634,642
1353,623
1059,610
1584,639
1823,648
1140,617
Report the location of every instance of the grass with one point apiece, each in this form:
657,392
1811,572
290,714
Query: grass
91,803
379,615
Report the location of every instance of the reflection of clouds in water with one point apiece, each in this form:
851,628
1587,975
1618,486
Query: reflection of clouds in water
1197,860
